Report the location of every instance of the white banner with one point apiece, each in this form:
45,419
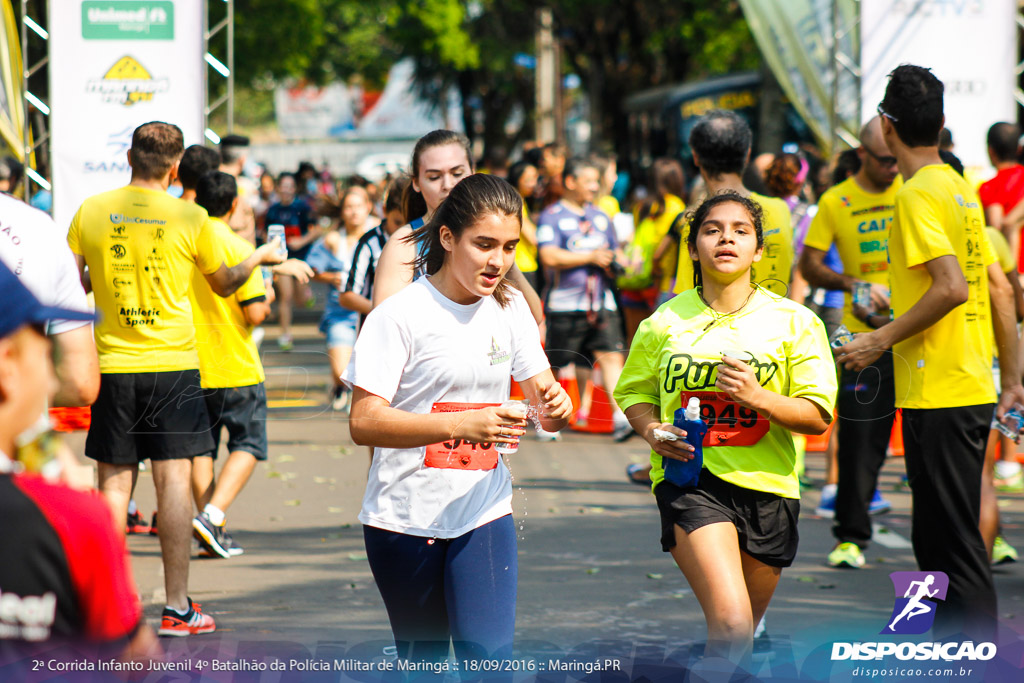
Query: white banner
310,113
400,113
970,45
116,64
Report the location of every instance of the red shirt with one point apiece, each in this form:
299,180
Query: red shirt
1005,190
62,554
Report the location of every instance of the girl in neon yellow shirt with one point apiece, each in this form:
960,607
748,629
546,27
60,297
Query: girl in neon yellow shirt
734,531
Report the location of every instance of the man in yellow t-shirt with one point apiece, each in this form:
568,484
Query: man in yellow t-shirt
141,246
721,149
942,275
231,370
855,216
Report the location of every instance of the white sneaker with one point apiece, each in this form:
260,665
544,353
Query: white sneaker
545,435
621,429
340,399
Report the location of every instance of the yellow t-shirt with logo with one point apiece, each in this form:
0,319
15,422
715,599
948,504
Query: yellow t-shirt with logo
1002,250
857,222
675,355
948,365
774,269
228,357
526,254
141,247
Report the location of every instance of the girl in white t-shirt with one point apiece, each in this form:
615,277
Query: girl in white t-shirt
431,365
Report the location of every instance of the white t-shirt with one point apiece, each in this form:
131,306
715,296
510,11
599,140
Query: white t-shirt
38,253
419,348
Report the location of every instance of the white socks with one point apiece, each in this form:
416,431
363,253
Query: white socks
214,514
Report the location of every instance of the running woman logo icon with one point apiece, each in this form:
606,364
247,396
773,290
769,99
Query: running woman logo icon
914,608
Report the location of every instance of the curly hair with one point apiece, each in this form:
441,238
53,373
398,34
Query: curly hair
783,175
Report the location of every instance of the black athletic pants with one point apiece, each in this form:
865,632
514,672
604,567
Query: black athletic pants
945,452
866,409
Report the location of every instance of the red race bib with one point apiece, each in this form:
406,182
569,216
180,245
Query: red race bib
729,424
457,454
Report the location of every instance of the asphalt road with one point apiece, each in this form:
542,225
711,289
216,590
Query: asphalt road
593,585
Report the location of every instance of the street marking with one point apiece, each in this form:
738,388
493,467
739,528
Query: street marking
293,403
888,538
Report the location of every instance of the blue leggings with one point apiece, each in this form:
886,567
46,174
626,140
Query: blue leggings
461,589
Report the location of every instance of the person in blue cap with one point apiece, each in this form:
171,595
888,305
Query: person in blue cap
65,578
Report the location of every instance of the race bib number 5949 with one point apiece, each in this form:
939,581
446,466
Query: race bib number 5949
729,424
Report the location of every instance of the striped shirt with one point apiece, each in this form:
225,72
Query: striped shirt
364,261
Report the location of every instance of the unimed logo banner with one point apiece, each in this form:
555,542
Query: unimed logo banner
116,64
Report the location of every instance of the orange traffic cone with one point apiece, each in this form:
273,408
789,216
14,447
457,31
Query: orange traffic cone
819,443
896,439
516,393
71,419
599,419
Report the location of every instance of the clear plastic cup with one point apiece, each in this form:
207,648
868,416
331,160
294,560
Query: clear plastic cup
522,407
742,356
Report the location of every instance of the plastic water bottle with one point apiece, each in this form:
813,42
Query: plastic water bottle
277,231
688,419
522,407
1011,423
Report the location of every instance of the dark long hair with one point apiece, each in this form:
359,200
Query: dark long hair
476,197
697,217
668,178
413,204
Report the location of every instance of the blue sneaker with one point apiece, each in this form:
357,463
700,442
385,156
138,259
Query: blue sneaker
878,504
827,504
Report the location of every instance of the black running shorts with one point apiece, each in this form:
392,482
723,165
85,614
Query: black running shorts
765,522
155,415
243,411
573,338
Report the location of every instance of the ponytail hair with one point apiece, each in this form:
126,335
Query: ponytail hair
478,196
413,204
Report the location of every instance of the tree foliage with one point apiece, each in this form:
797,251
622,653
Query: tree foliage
617,47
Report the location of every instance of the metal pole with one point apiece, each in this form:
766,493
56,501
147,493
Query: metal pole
26,129
546,75
860,69
231,66
833,120
206,78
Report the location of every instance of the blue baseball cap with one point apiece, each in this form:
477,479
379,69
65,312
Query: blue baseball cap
20,307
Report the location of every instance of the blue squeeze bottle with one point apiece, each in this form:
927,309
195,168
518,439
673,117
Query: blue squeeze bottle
688,419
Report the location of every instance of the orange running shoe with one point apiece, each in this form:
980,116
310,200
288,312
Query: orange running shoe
193,623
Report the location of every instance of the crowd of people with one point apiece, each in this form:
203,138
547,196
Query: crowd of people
785,302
